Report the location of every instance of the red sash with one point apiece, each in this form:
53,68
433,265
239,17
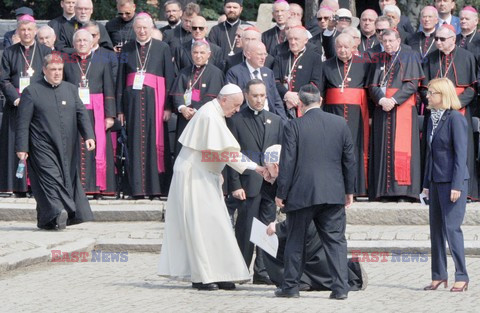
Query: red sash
403,138
158,84
459,90
353,96
97,105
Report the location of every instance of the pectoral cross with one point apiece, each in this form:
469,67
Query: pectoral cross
341,86
30,71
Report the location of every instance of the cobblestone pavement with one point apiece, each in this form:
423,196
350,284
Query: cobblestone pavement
133,286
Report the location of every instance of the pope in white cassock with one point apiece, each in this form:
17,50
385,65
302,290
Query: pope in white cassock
199,243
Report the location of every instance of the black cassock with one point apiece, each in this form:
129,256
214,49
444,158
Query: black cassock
120,32
223,35
149,166
13,66
48,122
367,43
462,72
64,42
315,275
96,168
206,88
394,167
273,37
351,102
292,72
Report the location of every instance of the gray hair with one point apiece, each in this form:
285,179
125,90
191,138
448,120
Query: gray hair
201,43
309,94
47,28
279,4
350,30
384,19
55,57
392,9
92,24
82,30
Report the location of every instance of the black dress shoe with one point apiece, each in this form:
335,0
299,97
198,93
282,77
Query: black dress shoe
304,287
338,296
261,280
282,294
226,285
61,220
209,287
19,195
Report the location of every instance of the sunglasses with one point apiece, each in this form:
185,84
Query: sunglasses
442,39
124,13
379,31
200,28
344,19
321,18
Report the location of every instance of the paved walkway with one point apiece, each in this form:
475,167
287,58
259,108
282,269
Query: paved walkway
133,286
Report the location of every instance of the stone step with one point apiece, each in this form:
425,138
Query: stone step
361,213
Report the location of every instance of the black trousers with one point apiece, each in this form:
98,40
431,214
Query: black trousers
263,208
446,217
330,222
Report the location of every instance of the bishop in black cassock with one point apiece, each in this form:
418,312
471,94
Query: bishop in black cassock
394,168
87,70
344,93
145,109
49,119
23,59
65,40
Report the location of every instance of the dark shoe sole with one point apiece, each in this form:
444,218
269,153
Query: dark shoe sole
281,294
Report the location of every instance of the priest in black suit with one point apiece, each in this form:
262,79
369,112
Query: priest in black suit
253,67
83,14
276,35
424,41
316,182
255,129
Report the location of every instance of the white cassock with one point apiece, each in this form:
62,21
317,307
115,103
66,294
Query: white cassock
199,243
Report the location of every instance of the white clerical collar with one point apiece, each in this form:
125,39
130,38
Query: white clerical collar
470,33
96,48
84,56
448,20
281,27
251,69
232,24
315,107
255,112
68,18
143,43
28,47
429,33
53,86
173,26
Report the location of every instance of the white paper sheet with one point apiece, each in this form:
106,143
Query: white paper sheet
259,236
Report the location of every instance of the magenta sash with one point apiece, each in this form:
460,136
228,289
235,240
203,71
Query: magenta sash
96,104
158,84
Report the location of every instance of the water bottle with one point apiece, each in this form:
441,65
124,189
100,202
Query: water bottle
20,169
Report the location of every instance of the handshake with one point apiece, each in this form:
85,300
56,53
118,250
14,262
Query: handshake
269,172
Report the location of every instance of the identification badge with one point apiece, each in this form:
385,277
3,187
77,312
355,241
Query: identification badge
138,81
24,83
84,94
231,53
187,97
196,95
384,90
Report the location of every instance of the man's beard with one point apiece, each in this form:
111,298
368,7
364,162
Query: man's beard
232,19
171,23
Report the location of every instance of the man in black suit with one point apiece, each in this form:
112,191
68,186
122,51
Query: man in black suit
255,130
173,14
316,182
253,67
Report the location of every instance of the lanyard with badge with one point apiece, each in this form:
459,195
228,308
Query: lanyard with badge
290,68
25,77
193,94
83,90
140,74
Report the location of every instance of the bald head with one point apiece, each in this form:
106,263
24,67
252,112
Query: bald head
46,36
367,22
250,36
256,53
296,11
199,28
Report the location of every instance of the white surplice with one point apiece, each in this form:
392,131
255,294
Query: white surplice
199,243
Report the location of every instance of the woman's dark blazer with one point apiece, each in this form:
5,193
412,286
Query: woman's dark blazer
446,159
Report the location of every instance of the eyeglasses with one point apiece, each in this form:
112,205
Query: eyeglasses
200,28
321,18
124,13
442,39
344,19
379,31
431,93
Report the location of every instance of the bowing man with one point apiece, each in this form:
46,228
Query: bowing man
253,67
344,78
143,82
21,65
194,86
93,77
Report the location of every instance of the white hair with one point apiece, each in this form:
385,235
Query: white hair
82,30
392,9
281,3
352,30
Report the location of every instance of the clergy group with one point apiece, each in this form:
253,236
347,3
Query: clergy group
373,70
